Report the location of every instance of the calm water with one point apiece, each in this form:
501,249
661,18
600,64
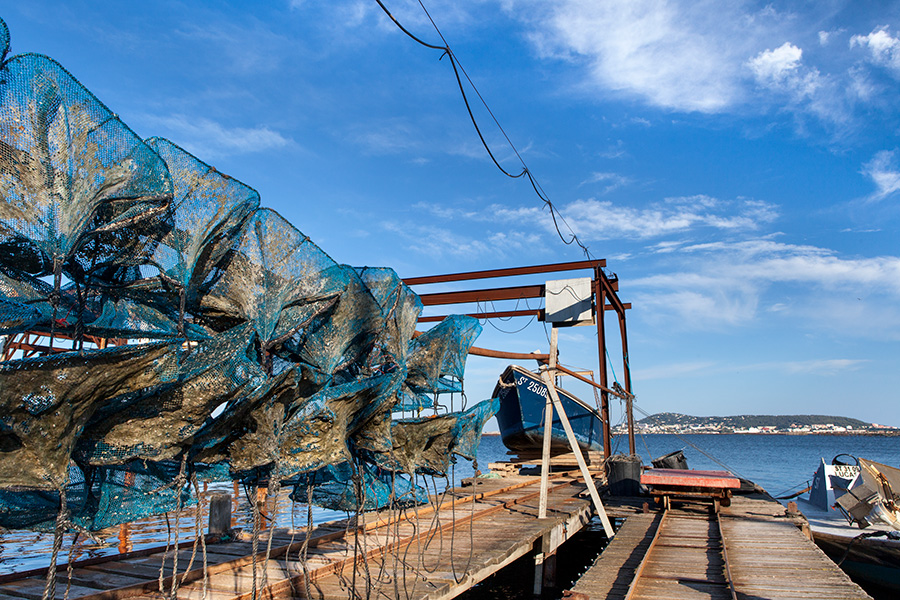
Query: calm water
779,463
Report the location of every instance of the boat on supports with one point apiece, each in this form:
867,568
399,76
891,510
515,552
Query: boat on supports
523,396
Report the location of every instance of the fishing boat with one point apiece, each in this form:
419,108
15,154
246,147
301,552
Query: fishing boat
853,512
523,396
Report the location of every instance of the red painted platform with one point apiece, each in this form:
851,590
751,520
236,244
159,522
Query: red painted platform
690,478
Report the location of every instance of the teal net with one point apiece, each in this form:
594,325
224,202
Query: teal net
427,445
351,487
206,336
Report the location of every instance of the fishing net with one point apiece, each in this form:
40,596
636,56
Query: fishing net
437,360
208,210
276,363
426,445
340,337
99,497
350,487
80,194
276,277
45,402
160,424
316,435
24,303
401,308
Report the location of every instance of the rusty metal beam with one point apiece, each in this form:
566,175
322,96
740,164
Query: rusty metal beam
508,355
510,272
505,314
581,377
520,292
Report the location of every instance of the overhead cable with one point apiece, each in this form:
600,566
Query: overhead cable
526,172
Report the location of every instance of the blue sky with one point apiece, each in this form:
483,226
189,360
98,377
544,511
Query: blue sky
736,163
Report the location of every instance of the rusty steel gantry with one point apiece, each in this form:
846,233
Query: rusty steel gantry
604,294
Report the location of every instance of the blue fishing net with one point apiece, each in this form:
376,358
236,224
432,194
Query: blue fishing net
437,361
276,277
350,487
45,403
276,363
427,445
77,185
99,497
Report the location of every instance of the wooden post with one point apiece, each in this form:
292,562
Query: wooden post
219,513
548,427
576,450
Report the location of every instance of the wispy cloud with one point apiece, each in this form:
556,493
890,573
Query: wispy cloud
671,370
598,220
668,53
833,366
437,241
884,173
724,284
610,181
713,57
208,139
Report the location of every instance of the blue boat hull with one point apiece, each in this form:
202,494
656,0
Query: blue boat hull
522,397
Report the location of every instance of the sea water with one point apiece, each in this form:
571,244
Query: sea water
779,463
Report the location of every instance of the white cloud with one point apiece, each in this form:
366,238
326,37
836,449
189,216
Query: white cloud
776,65
711,57
833,366
597,220
781,69
674,55
883,171
611,181
721,284
208,139
884,49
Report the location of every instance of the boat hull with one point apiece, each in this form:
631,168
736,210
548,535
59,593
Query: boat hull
522,397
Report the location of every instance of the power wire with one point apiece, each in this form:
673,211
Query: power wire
555,215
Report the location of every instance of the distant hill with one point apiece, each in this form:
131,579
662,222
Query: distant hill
746,421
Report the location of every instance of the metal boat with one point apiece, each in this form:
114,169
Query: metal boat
523,396
853,515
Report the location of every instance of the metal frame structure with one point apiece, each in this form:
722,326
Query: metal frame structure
604,291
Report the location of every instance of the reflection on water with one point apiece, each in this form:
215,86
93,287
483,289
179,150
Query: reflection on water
25,550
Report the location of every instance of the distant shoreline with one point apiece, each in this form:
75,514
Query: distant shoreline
888,433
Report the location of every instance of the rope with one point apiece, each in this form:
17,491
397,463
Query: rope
892,535
70,568
61,518
202,538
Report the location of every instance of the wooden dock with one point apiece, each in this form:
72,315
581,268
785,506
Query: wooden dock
748,550
431,552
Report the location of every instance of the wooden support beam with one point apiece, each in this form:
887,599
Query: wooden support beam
576,450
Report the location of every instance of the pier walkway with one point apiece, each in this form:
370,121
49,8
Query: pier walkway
748,550
433,552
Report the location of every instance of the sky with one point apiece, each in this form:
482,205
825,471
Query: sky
736,163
